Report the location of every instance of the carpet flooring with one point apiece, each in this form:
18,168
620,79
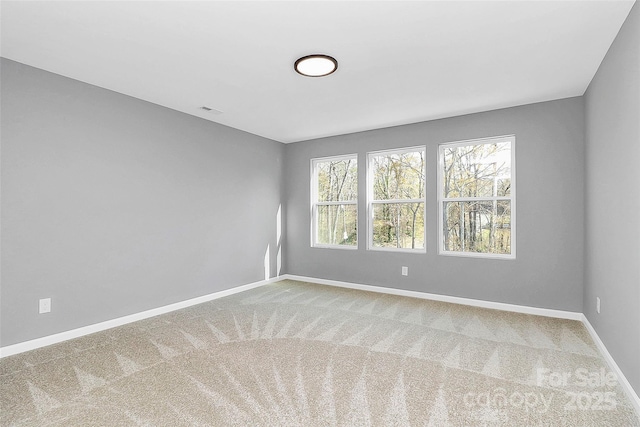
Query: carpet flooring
299,354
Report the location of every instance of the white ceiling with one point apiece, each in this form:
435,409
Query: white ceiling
399,61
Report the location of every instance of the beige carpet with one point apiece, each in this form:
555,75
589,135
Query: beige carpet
294,353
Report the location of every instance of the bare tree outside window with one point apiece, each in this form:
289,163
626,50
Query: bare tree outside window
476,204
335,194
397,199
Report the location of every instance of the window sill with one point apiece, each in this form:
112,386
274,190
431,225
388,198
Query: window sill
478,255
400,250
341,247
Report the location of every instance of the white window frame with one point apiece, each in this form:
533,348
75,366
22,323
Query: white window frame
371,201
442,200
315,203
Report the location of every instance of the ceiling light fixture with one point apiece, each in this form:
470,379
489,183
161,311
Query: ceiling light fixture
316,65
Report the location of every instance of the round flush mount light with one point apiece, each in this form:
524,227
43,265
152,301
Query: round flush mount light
316,65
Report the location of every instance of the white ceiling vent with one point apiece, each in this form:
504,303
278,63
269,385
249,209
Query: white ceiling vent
210,110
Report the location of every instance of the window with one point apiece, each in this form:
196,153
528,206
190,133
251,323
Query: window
334,202
396,199
477,198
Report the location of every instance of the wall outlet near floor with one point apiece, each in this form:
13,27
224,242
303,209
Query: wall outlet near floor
598,304
405,271
45,305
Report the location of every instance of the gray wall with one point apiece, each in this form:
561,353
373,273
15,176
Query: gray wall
612,223
112,205
548,271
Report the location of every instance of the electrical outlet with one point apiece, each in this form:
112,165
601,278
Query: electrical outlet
45,305
405,271
598,304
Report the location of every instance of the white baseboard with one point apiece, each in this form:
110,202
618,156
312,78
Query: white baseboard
443,298
631,393
97,327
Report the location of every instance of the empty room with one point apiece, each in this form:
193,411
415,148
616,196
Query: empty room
320,213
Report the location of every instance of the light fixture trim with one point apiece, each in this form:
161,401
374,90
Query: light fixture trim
316,65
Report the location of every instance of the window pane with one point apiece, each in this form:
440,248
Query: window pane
482,170
398,176
337,225
337,180
398,225
483,226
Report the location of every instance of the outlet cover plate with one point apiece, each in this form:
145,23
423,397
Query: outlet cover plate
45,305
